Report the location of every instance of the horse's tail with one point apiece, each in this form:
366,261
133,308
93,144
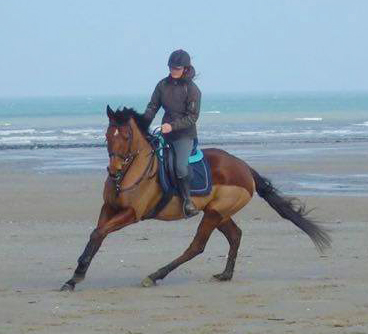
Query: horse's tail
293,209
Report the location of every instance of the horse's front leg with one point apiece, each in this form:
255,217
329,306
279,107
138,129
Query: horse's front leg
109,221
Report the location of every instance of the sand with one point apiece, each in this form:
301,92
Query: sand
281,283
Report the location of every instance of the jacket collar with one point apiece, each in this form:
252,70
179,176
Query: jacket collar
169,79
188,78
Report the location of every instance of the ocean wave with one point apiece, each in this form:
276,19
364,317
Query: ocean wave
253,133
341,132
236,134
84,132
265,133
360,176
15,140
5,124
216,141
362,124
12,132
46,132
212,112
34,139
315,119
33,146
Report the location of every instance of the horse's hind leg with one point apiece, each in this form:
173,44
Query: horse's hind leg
209,222
233,235
108,222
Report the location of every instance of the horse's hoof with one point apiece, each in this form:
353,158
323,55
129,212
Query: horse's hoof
67,287
148,282
223,277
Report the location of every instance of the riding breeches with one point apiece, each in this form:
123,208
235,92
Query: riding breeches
183,147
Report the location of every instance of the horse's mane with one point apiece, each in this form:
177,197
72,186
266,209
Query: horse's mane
122,116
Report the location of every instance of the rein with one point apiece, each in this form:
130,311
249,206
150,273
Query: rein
128,160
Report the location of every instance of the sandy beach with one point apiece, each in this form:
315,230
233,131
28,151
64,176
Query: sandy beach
281,283
87,86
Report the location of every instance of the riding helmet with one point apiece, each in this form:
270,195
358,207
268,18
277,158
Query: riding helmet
179,58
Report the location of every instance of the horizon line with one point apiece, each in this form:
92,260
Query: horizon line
210,93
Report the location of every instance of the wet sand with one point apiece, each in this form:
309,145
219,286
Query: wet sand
281,283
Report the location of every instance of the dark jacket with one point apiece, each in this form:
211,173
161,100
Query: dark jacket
181,99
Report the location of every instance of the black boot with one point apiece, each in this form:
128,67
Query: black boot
189,209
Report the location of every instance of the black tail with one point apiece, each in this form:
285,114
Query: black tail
292,209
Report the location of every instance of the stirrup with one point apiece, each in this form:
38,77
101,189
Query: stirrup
189,212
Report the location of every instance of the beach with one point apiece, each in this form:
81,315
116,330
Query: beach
281,283
280,85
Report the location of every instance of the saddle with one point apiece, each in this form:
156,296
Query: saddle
199,171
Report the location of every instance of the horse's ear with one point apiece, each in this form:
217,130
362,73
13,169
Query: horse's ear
110,113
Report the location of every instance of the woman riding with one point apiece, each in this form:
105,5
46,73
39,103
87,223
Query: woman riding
180,98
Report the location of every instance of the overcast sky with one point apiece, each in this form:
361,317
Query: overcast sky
74,47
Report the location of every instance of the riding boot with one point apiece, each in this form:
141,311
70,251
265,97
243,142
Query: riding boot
189,209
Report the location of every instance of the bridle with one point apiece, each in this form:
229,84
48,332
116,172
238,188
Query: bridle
126,158
127,161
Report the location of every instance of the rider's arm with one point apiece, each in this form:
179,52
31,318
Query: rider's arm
192,112
154,105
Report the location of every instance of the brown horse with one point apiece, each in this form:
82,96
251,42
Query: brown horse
132,191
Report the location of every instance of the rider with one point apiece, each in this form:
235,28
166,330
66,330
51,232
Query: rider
180,98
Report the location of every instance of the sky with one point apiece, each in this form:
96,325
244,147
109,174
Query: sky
78,47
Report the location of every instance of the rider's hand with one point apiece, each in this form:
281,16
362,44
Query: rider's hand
166,128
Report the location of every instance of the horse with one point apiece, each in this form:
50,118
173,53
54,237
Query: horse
132,190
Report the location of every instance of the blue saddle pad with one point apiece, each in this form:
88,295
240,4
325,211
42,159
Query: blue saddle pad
199,169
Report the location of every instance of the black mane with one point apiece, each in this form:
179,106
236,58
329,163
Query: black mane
122,116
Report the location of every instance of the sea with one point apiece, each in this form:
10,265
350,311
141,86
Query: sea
67,134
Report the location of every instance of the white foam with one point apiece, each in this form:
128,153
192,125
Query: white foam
270,133
15,140
253,133
315,119
362,124
360,175
5,124
340,131
46,132
83,132
259,134
99,137
11,132
302,133
212,112
33,139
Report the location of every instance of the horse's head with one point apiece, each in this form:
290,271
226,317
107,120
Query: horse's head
121,136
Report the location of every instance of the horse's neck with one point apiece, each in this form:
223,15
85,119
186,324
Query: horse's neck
140,142
144,157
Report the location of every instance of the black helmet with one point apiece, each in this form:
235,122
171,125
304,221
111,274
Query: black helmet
179,58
